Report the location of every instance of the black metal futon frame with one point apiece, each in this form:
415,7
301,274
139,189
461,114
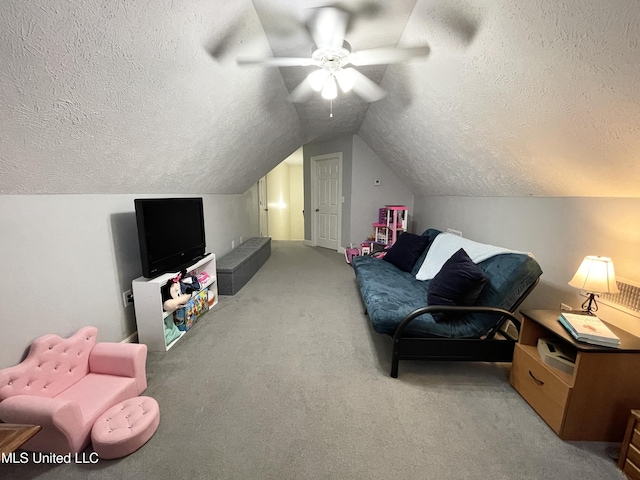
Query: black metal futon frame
485,349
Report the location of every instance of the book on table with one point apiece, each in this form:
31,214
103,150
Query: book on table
589,329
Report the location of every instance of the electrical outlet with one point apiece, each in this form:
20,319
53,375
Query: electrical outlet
240,240
564,307
455,232
233,244
127,298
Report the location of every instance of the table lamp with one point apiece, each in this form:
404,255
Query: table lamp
595,275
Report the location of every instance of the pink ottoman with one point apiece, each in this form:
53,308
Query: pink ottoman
125,427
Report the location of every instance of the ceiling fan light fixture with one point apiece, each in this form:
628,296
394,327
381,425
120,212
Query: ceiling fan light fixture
330,89
317,79
346,79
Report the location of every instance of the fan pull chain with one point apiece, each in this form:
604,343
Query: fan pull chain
331,108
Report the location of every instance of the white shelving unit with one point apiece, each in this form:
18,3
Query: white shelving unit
147,297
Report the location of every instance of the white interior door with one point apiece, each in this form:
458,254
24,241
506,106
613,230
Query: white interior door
327,195
262,205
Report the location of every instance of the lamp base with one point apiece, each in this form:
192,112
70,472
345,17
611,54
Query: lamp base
590,306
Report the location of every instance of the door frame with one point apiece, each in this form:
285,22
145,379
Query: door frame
314,197
263,206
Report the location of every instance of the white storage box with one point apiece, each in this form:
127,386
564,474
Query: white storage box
557,354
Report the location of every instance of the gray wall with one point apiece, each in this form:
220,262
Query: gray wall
342,144
367,198
360,167
560,232
66,259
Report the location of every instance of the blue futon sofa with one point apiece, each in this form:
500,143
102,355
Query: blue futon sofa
397,302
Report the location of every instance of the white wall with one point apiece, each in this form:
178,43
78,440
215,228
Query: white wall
285,193
560,232
66,259
366,197
278,187
296,200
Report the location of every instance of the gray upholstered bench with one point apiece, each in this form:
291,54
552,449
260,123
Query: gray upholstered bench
237,267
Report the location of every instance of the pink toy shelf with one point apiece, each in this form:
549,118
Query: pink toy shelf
392,221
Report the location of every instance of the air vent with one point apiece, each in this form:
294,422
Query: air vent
627,299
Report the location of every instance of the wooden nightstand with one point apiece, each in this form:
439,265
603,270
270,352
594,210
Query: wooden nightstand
594,402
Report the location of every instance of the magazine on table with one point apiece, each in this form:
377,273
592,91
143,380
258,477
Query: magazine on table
589,329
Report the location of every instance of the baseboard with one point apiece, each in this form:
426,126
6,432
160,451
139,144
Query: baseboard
133,338
341,250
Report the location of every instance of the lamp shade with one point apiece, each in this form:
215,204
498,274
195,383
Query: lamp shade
317,79
595,275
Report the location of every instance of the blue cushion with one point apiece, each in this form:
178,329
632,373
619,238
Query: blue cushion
406,251
458,283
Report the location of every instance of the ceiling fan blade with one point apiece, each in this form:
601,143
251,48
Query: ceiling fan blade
302,92
383,56
328,27
366,88
450,23
464,28
245,32
277,61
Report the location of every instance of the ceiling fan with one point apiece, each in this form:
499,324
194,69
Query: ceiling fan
335,60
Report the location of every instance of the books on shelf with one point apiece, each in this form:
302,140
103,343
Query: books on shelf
588,329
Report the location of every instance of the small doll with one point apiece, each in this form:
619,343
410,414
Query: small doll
177,291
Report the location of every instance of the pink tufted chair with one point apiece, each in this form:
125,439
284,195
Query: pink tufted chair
65,384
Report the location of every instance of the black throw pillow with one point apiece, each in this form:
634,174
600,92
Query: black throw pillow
458,283
406,251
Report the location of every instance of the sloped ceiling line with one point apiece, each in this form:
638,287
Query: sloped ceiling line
117,97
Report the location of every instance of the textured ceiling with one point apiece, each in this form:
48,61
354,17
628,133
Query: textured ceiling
122,97
544,102
119,97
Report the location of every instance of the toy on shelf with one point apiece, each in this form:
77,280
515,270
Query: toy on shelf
203,278
178,291
185,317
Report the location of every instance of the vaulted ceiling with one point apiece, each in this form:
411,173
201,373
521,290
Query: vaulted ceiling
133,97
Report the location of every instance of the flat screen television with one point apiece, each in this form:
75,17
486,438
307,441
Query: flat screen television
170,233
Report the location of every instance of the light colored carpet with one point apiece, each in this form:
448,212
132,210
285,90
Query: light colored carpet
286,380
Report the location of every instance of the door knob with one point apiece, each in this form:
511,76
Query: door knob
317,209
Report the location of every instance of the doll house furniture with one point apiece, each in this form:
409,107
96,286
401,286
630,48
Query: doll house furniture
396,294
392,221
65,384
